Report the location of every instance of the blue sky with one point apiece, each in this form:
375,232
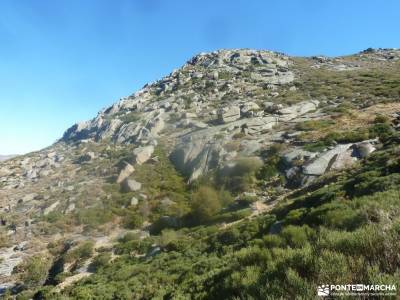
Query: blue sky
62,61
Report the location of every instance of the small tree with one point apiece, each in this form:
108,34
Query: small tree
241,176
168,236
205,203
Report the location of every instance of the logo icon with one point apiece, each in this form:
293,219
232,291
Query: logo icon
323,290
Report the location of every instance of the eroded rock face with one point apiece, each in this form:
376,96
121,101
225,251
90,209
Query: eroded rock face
11,258
194,157
320,165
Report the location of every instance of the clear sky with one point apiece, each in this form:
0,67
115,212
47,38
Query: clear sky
62,61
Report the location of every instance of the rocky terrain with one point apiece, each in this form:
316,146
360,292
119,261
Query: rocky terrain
131,169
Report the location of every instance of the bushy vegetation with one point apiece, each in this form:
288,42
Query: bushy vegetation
80,253
205,203
161,181
240,176
340,229
33,271
272,162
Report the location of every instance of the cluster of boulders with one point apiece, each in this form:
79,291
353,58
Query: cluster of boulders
200,151
304,166
381,54
177,107
140,155
30,168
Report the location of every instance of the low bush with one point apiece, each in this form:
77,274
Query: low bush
239,177
205,204
80,253
100,261
33,272
246,200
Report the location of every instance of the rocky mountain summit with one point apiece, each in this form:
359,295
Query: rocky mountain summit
131,168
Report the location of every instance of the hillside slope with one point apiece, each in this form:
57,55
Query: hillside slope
210,181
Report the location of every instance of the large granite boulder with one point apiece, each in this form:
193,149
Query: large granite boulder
301,108
324,161
143,154
125,172
130,185
259,124
364,149
228,114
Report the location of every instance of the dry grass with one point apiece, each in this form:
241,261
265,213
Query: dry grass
356,119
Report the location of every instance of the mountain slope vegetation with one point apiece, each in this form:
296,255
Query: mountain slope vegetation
242,175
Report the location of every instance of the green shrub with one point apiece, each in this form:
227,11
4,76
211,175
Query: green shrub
296,236
241,176
230,236
238,135
347,136
205,203
381,130
333,267
273,241
246,200
131,117
316,147
35,271
225,197
132,220
168,236
100,261
295,216
381,119
81,252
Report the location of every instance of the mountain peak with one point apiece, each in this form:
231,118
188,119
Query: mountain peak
206,78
